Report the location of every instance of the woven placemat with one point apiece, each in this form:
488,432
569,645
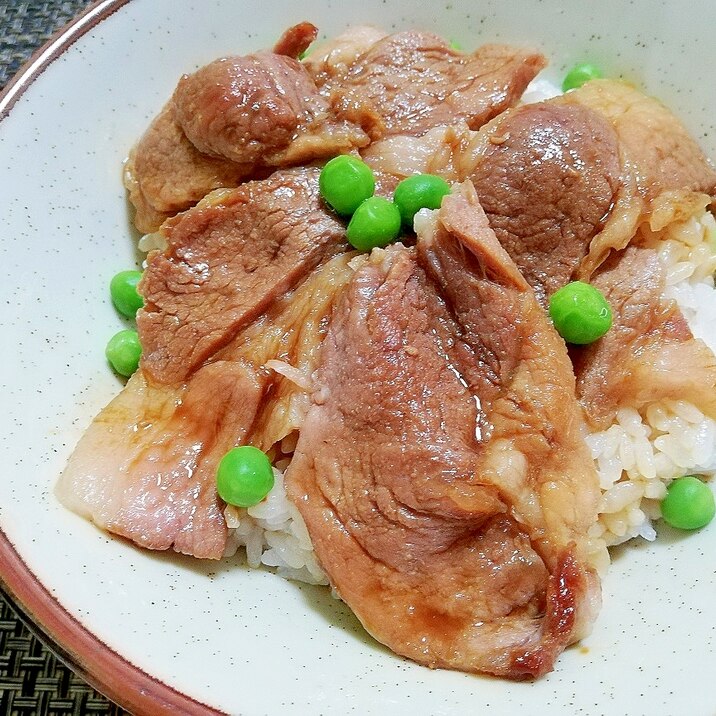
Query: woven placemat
25,26
33,682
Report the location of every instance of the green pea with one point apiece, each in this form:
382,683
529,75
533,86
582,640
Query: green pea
123,290
579,74
455,45
580,313
689,504
376,222
422,191
124,351
244,476
345,182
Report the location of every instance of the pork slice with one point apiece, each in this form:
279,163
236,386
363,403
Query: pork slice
547,175
334,56
660,161
656,142
146,467
453,527
649,353
415,81
296,40
165,173
226,260
262,109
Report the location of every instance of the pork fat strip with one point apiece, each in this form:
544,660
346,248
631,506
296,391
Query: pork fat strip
441,471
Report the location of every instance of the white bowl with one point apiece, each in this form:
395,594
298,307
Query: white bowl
164,634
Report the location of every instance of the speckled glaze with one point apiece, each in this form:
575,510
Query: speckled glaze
165,634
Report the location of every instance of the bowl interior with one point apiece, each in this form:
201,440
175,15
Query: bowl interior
247,641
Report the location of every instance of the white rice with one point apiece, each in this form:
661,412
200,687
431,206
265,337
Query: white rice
274,535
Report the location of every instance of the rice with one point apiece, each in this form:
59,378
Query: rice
274,534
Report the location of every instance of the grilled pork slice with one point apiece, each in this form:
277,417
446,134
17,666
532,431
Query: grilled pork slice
244,116
236,118
415,81
440,470
547,175
662,165
146,467
649,353
225,262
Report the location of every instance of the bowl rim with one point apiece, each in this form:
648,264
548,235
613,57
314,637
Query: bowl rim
96,662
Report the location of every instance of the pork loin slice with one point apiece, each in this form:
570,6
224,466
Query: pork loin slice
440,470
661,162
649,353
146,467
263,110
415,81
226,261
547,175
166,173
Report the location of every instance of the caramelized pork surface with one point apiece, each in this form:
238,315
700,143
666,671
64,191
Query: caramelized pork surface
146,467
226,261
564,183
236,118
440,470
415,81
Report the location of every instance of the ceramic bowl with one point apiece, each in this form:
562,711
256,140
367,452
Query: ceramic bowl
164,634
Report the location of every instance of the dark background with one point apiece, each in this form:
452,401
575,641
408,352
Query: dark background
32,680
